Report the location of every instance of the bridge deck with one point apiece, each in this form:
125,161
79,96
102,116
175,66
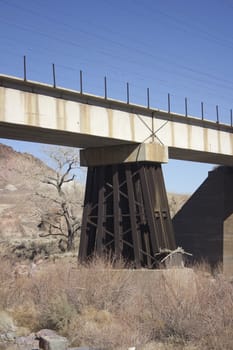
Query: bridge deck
37,112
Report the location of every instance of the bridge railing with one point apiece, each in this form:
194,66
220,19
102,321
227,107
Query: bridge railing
226,118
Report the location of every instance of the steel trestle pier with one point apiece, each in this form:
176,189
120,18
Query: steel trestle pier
126,214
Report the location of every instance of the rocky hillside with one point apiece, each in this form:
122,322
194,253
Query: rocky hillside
19,182
21,176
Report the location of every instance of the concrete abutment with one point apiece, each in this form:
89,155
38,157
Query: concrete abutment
204,225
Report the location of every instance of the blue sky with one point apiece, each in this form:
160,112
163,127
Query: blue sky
184,48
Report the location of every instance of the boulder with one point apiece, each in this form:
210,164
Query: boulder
53,342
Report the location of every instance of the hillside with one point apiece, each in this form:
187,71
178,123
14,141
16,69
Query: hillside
19,182
21,176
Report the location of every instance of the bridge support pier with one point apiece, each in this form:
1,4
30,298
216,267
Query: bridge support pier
126,214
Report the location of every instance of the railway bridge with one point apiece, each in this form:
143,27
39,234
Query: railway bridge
123,145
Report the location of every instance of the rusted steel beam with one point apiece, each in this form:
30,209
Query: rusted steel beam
133,216
86,212
149,210
126,214
166,228
101,214
117,225
145,240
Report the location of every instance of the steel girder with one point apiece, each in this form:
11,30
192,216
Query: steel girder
126,214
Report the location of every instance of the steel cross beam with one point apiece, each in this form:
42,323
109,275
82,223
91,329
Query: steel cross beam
126,214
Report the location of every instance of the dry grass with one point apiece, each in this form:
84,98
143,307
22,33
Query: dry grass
111,308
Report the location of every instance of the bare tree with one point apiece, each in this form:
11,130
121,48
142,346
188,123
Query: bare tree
61,215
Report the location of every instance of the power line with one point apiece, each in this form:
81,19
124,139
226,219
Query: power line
186,68
225,84
73,44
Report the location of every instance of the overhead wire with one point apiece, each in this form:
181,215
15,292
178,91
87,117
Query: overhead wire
189,25
120,57
152,56
211,76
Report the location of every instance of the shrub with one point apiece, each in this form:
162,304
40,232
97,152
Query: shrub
107,308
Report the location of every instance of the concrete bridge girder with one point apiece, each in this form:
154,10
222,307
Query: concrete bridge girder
38,112
132,153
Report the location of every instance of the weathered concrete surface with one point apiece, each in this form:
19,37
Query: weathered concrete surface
37,112
146,152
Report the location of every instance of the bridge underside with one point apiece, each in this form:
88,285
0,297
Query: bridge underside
126,214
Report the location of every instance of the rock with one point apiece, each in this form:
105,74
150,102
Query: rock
7,337
53,342
45,332
26,342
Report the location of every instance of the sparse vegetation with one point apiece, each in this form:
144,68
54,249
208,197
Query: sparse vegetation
64,220
108,308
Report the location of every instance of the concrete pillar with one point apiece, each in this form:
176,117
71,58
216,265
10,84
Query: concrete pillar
204,225
228,246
